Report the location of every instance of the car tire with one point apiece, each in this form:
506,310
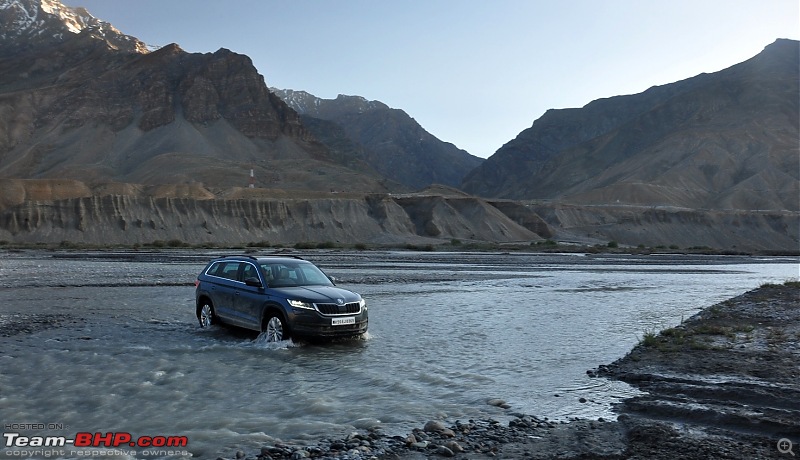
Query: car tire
275,328
206,315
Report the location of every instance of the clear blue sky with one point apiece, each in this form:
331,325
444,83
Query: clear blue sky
474,73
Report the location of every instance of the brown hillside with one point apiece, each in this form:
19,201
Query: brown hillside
727,140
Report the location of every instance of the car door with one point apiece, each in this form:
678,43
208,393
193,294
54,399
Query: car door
222,289
248,300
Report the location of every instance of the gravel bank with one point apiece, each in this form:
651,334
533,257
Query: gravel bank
724,384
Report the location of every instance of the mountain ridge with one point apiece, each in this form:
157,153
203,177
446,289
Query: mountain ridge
387,139
36,23
639,149
97,133
79,105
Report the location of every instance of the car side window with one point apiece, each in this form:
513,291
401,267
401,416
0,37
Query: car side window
281,275
268,276
215,269
249,271
227,270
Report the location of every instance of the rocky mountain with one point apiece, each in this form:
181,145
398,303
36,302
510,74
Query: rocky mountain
387,139
80,100
104,141
31,24
722,141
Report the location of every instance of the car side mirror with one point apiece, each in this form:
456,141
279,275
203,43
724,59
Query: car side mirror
253,282
332,278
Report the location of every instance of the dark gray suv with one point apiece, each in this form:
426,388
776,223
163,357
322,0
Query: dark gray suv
282,296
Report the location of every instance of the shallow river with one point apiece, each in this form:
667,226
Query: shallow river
448,331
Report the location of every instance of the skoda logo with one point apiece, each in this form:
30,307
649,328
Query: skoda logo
340,302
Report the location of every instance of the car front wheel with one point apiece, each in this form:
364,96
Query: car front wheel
205,314
275,329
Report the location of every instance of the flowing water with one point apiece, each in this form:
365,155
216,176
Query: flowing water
448,331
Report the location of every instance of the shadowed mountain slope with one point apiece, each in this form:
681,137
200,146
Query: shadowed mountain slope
388,139
80,105
726,140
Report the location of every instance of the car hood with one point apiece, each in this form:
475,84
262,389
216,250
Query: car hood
319,294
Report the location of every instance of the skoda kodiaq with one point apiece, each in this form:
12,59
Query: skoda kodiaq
282,296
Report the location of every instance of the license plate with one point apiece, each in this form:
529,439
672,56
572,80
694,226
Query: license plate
343,321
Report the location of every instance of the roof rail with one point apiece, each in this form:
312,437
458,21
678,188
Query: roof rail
249,256
280,254
274,254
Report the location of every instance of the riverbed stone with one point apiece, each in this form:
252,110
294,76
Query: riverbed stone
498,403
445,452
434,426
454,446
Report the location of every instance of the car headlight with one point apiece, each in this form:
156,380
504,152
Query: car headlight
362,303
301,304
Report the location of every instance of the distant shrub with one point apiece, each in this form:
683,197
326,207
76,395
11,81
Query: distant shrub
326,245
455,242
158,243
259,244
613,244
414,247
176,243
649,339
674,246
304,245
360,247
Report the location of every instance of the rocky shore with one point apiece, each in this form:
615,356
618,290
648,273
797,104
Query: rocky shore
724,384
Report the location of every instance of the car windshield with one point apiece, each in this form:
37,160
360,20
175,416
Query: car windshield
290,274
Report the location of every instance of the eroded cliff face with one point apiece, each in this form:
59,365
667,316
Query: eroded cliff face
733,230
55,211
376,219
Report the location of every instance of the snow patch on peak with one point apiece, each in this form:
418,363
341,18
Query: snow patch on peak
22,15
34,18
300,101
75,19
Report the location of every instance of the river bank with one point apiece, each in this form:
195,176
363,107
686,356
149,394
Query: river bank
723,384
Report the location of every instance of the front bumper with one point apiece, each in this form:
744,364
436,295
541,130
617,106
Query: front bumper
312,324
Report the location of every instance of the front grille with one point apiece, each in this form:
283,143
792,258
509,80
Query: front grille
333,309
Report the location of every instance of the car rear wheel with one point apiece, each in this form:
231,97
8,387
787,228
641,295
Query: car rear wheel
205,315
275,329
